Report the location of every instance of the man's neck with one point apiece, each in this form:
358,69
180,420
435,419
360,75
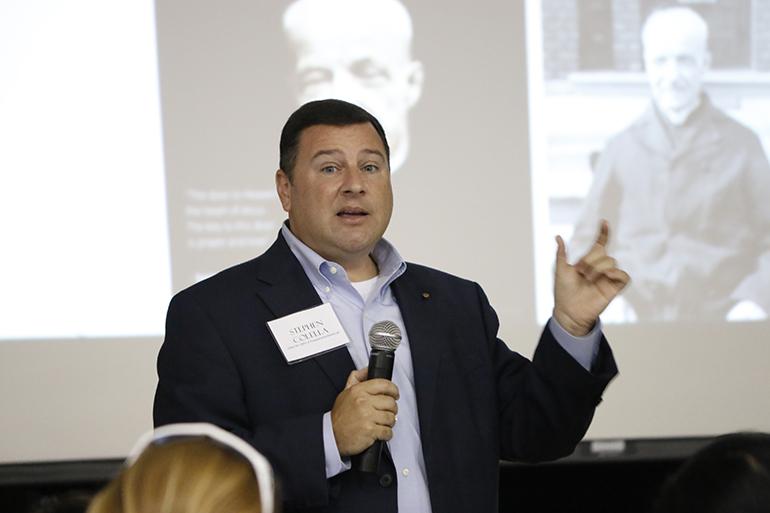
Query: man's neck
361,270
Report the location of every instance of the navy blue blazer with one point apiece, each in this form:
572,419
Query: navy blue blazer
478,401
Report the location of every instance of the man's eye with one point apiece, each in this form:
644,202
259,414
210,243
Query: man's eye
370,73
328,169
313,77
371,168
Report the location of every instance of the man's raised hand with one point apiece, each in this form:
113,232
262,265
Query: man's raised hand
582,291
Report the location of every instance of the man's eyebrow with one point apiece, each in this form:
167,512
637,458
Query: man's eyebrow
336,152
372,152
321,153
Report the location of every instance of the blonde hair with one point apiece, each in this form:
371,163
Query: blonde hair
184,475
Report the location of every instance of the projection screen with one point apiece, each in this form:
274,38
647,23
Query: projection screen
139,142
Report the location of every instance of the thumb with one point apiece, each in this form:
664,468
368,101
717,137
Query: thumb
357,376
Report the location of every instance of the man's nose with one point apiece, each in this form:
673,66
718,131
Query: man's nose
353,182
672,70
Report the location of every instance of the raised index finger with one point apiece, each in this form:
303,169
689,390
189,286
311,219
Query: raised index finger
561,251
604,233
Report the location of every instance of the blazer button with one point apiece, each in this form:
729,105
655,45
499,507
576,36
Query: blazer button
386,480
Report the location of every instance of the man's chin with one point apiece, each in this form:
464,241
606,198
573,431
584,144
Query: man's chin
673,101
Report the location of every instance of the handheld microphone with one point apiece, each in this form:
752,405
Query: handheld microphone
384,337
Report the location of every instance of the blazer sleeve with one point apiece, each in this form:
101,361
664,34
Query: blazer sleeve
545,405
201,379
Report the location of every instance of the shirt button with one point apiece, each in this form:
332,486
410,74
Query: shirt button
366,315
333,270
327,290
406,472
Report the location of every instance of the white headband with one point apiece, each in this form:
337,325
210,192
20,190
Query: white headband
261,466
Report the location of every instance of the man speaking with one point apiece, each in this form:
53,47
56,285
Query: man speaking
275,349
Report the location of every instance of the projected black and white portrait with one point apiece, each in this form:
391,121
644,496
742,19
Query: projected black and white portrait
358,51
666,137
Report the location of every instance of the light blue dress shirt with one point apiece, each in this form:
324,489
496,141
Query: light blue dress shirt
357,315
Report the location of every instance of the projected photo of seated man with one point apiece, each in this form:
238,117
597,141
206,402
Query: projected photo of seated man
358,51
686,189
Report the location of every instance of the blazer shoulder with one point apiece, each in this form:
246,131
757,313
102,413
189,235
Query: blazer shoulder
231,278
276,261
430,280
422,272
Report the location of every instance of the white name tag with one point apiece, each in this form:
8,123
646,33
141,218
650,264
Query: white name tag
308,333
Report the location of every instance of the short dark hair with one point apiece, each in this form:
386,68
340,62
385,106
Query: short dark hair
730,475
321,112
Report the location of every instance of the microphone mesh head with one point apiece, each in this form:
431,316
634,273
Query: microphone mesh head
385,336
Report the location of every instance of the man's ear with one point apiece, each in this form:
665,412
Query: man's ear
415,81
283,187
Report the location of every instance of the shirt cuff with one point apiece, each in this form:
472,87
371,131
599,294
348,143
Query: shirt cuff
335,464
583,349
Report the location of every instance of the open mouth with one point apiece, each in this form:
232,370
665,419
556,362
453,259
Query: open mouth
345,212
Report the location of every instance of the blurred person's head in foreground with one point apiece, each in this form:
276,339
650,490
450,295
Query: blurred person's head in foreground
730,475
190,468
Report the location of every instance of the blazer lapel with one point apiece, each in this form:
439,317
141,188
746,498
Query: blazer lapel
285,288
421,312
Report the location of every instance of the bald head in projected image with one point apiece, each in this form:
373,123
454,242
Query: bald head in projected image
358,51
687,189
676,59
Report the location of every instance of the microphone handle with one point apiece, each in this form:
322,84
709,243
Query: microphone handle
380,366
